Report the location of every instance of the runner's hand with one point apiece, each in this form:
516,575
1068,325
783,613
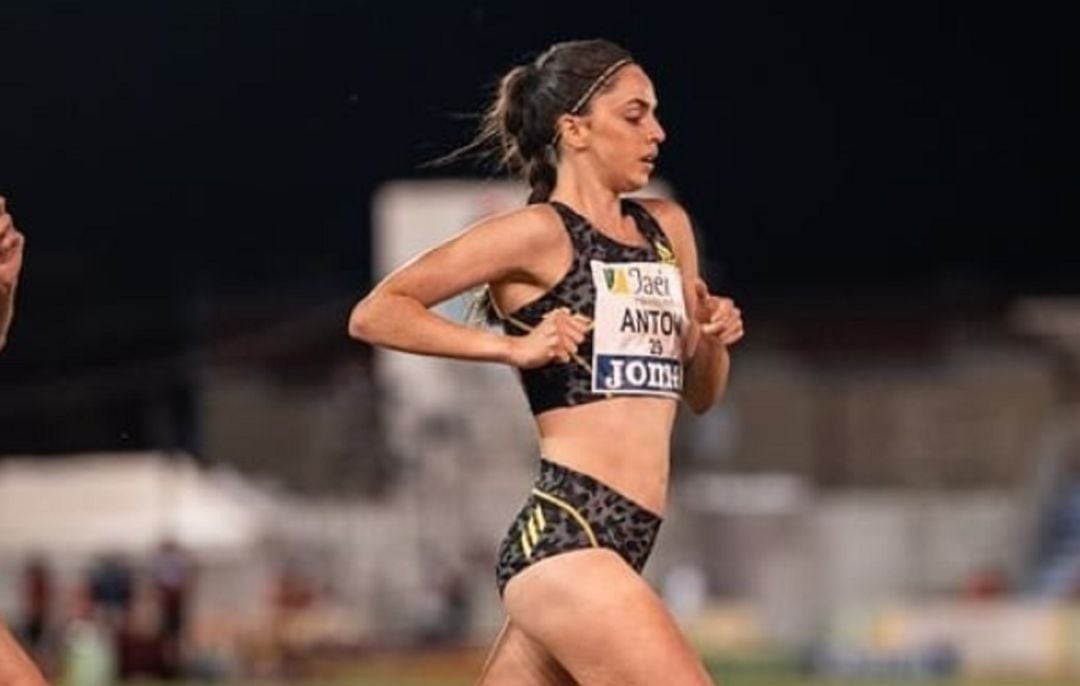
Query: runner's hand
720,320
11,249
555,339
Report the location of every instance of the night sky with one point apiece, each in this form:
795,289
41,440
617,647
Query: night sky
159,156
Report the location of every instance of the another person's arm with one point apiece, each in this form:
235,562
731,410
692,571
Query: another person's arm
11,252
16,668
715,323
396,314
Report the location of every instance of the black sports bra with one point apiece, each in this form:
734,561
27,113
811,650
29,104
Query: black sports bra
634,317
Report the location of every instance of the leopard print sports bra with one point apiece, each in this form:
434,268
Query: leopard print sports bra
632,295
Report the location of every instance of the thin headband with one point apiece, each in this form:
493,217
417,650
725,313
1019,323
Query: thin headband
600,81
591,90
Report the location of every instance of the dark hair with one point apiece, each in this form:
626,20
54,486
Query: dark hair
519,129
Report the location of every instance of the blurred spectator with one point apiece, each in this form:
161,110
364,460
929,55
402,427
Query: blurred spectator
173,572
140,648
37,591
111,587
88,650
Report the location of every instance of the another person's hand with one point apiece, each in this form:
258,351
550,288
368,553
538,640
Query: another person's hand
11,250
555,339
718,317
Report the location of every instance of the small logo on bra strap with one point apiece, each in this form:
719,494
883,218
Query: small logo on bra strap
666,255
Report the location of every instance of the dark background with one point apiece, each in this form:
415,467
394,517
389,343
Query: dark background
167,159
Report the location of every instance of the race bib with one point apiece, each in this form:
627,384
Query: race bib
637,328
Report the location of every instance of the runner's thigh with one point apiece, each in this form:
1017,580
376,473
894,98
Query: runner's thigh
602,622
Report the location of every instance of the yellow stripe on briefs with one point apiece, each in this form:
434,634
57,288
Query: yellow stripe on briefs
540,517
525,545
573,513
534,535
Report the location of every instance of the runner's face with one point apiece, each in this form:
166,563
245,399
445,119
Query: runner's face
624,131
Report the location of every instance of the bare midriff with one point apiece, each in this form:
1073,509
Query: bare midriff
624,442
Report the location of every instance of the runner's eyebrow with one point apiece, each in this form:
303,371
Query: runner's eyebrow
639,101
